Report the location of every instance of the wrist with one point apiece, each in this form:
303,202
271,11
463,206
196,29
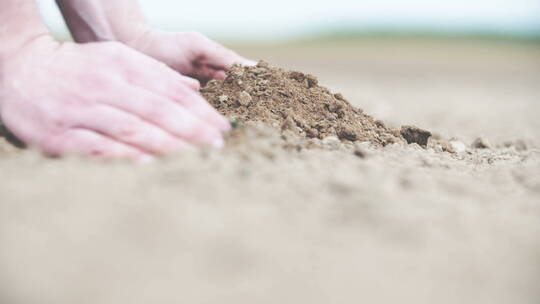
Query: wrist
131,36
20,24
103,20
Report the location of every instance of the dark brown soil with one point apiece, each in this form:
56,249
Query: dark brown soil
416,135
293,101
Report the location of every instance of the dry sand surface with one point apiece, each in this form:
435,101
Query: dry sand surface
269,220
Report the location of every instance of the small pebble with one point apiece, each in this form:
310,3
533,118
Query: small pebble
331,142
519,145
223,98
359,151
263,64
457,146
416,135
245,99
481,143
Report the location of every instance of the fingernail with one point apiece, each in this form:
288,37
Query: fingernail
146,159
225,125
218,143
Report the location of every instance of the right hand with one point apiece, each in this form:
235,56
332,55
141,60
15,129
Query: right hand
103,99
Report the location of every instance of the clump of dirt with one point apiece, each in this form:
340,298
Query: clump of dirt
416,135
293,102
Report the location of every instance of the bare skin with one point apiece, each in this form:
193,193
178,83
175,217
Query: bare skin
100,99
189,53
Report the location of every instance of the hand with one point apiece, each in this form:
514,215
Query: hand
102,99
189,53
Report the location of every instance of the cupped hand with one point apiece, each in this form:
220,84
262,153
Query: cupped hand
189,53
103,99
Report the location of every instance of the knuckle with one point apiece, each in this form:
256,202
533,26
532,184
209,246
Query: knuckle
95,81
181,94
126,131
199,129
157,111
198,39
142,136
132,76
59,123
125,128
97,151
60,120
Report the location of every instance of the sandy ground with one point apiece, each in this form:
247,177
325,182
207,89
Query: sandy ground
402,225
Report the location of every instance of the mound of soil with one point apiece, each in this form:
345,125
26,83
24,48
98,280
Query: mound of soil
293,101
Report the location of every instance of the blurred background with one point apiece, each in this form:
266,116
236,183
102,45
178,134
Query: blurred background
461,68
278,20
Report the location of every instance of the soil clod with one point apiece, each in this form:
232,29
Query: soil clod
416,135
481,143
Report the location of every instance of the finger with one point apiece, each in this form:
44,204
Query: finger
169,115
220,75
206,73
200,107
129,129
88,143
146,71
248,62
166,82
192,83
175,93
216,55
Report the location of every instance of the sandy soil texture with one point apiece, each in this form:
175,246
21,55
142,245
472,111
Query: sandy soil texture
264,221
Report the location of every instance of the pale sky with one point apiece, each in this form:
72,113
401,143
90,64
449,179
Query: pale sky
248,19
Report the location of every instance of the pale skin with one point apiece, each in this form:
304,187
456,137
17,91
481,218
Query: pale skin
128,92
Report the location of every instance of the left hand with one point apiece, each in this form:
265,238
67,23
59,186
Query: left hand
189,53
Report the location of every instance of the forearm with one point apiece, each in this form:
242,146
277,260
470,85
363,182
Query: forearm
103,20
20,23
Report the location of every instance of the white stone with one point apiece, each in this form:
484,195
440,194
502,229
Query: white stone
244,98
223,98
331,142
458,146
